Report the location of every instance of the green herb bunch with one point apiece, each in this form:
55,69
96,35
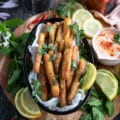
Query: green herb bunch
66,9
15,51
97,107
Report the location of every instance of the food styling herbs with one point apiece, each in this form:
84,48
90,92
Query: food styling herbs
117,38
66,9
97,107
13,48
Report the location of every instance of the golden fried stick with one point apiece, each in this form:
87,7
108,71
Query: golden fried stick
51,76
52,32
43,81
63,92
37,61
66,64
61,46
76,80
67,32
74,59
57,62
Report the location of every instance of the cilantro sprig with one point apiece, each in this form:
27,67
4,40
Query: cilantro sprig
117,38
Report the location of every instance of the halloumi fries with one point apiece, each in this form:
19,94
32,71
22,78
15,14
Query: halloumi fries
43,80
51,75
60,70
76,80
66,64
74,61
37,61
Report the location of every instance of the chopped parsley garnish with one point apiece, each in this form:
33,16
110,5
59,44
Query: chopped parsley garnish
36,88
49,28
74,65
46,48
117,38
53,57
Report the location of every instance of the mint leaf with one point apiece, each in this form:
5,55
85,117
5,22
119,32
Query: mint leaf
117,38
12,23
95,93
94,102
110,108
97,114
86,117
5,50
14,77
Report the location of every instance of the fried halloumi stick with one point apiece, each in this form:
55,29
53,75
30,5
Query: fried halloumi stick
52,32
74,59
43,80
51,76
63,92
67,32
66,64
61,46
76,80
57,62
37,61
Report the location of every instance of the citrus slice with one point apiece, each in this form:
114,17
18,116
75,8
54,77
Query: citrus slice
29,104
20,108
107,72
78,6
80,15
89,77
108,84
91,26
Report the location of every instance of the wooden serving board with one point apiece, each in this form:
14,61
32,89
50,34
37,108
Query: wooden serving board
47,116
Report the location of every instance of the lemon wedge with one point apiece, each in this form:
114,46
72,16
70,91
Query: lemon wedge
29,104
20,108
107,83
89,78
80,15
91,26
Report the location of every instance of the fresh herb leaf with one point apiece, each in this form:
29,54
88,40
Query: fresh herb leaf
14,77
53,57
74,65
110,108
66,9
97,114
12,23
95,93
36,88
78,33
86,117
49,28
52,47
41,51
5,50
117,38
94,102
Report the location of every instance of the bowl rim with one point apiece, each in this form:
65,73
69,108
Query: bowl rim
26,51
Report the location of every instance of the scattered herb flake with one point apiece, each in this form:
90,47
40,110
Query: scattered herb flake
74,65
53,57
117,38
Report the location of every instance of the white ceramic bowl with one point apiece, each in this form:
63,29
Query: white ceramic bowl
101,56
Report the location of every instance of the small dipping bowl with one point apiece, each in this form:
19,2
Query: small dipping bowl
105,47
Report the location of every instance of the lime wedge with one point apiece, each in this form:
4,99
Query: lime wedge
19,107
107,83
91,26
89,77
29,104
